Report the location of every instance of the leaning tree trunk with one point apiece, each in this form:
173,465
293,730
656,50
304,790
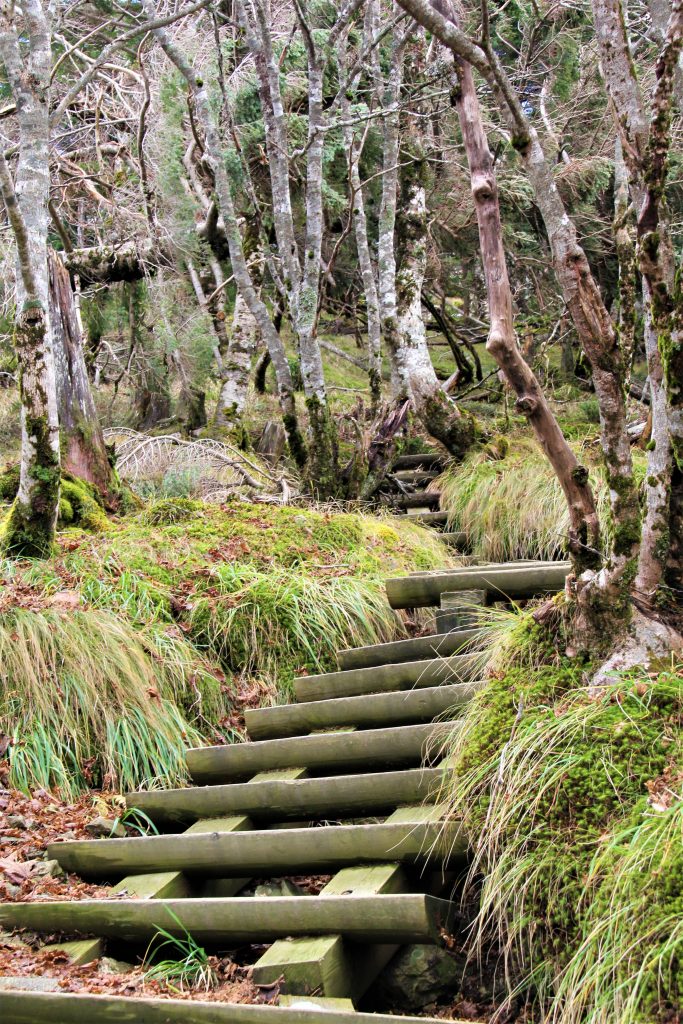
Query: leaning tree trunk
30,527
584,530
84,453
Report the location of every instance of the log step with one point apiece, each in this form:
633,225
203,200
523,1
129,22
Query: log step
397,707
71,1008
429,518
420,499
401,676
267,853
420,591
433,460
438,645
337,796
416,476
233,921
341,751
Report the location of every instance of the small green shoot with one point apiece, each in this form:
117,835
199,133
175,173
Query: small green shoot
190,968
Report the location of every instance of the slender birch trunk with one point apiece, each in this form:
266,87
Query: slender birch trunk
238,260
30,527
353,141
584,529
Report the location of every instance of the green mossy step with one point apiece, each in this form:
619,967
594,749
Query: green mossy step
397,707
503,583
336,796
264,853
342,751
232,921
438,645
382,678
70,1008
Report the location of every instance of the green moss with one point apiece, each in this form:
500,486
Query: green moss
548,775
171,510
84,504
9,482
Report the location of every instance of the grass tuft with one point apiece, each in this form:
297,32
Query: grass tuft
571,800
513,507
87,699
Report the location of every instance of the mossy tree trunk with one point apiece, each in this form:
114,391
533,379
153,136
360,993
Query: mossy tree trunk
30,528
401,260
84,453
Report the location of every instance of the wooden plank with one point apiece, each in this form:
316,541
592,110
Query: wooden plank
525,581
420,459
328,964
313,1002
71,1008
381,678
233,921
396,707
415,476
341,751
439,645
425,518
78,951
338,796
256,853
421,499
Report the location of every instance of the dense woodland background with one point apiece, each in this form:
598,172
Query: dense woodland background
252,251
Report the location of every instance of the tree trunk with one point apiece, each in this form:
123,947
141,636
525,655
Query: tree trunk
84,453
584,530
31,524
240,268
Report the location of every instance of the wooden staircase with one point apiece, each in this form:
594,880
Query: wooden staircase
344,782
410,479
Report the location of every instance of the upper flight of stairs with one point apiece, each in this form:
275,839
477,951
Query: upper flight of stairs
410,495
344,782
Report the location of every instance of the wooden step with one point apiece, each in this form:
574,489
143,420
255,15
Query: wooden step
398,707
511,582
265,853
71,1008
340,751
421,499
456,539
428,518
382,678
438,645
233,921
337,796
431,459
416,476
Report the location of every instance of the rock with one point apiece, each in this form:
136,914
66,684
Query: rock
47,869
417,976
106,827
26,984
280,887
16,821
108,965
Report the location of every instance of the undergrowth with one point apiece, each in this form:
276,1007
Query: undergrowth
510,504
133,643
572,801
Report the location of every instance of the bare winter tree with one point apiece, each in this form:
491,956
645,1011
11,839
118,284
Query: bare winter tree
609,603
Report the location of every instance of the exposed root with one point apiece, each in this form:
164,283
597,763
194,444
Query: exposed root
647,644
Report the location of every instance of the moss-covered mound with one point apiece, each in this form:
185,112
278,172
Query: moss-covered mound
573,801
221,606
79,502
